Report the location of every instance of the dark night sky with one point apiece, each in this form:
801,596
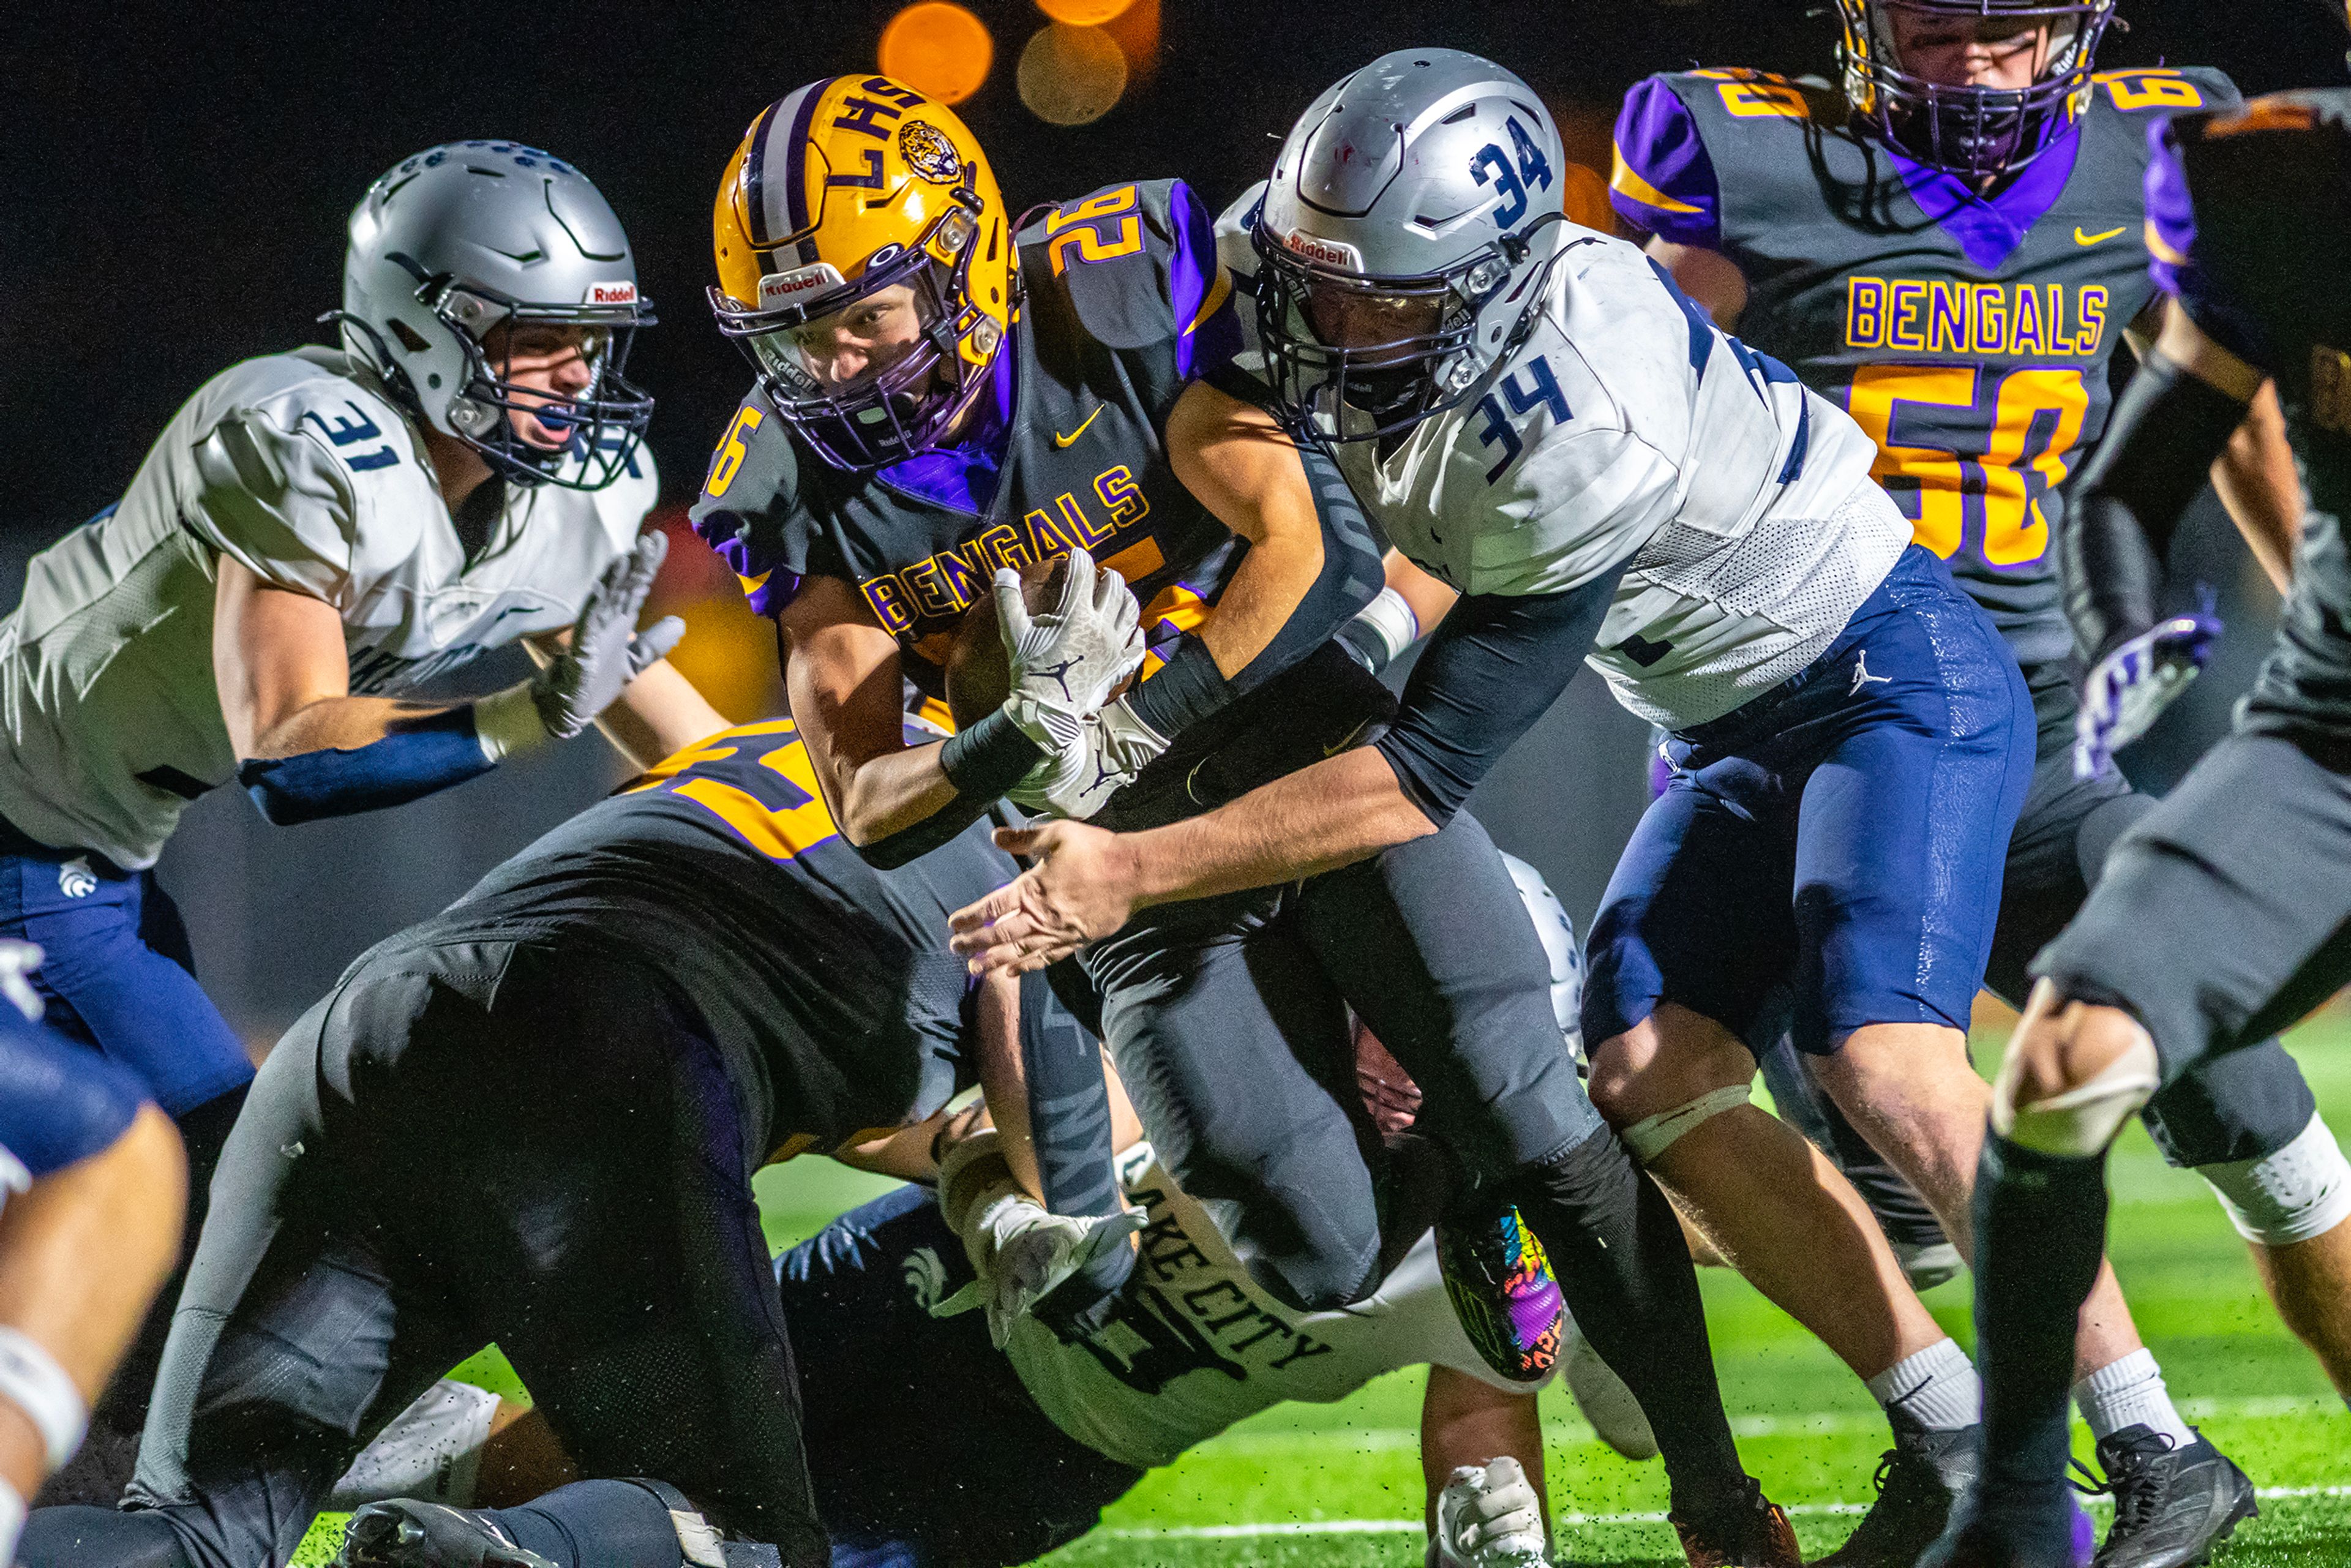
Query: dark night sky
172,192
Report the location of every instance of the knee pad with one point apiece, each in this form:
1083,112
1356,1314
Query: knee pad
2301,1191
2083,1120
1653,1136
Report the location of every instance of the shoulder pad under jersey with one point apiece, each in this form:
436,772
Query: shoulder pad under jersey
1140,266
2159,92
749,509
1661,178
294,457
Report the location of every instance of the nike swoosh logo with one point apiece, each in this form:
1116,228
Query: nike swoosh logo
1346,740
1062,440
2081,238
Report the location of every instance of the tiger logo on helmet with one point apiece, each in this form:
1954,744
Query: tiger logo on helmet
865,266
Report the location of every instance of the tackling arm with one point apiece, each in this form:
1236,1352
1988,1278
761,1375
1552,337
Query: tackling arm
2176,417
1309,566
1493,668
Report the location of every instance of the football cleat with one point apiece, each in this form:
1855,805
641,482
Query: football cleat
1920,1481
2172,1505
1753,1532
406,1534
1501,1288
1600,1396
2063,1538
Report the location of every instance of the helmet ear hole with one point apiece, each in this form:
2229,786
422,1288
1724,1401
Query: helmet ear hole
409,340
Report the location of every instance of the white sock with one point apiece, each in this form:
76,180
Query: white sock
1937,1387
2130,1393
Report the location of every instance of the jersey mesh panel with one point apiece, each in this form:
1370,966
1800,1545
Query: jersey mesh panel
1793,572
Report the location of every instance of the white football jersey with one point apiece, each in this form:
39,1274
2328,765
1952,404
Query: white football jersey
299,467
1628,428
1198,1347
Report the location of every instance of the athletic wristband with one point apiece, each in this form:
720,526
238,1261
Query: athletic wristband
508,722
988,757
1188,689
31,1379
1381,630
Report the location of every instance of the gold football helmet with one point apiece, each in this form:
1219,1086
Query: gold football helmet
866,266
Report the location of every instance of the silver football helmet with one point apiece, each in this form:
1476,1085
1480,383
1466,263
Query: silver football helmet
464,239
1410,216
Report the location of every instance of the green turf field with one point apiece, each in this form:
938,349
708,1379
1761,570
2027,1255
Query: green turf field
1322,1486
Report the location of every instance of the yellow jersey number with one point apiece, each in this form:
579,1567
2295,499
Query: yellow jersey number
781,814
2033,397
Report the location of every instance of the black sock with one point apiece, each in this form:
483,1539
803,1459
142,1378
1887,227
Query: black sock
1625,1273
596,1524
2041,1226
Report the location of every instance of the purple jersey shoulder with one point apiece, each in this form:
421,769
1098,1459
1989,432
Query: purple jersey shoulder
1660,178
2170,214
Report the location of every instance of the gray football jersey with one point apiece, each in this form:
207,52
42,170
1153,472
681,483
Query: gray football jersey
300,468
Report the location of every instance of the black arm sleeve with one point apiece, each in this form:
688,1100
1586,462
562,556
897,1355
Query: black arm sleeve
2157,454
1191,687
1494,666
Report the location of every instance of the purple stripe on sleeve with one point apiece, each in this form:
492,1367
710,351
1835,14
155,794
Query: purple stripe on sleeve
2171,216
1664,181
1194,274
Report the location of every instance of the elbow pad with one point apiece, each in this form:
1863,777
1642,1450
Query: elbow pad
406,764
2155,459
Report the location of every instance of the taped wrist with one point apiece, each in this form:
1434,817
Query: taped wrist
1188,689
423,757
1382,630
2154,460
509,722
988,757
31,1379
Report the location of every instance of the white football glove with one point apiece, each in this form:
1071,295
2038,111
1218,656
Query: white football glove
607,651
1019,1252
1078,778
1067,662
2123,697
1488,1516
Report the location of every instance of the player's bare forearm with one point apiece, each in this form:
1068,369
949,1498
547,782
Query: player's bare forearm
1239,463
841,678
658,713
1709,277
2258,483
1086,883
284,673
1466,1422
1316,820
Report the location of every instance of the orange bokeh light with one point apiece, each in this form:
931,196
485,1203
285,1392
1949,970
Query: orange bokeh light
1082,13
1071,76
938,49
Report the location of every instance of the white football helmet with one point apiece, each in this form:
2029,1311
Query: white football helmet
1409,220
461,239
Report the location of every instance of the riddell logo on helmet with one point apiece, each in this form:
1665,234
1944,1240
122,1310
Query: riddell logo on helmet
1322,252
611,294
801,282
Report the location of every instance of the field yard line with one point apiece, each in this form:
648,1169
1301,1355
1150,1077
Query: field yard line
1401,1526
1382,1438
